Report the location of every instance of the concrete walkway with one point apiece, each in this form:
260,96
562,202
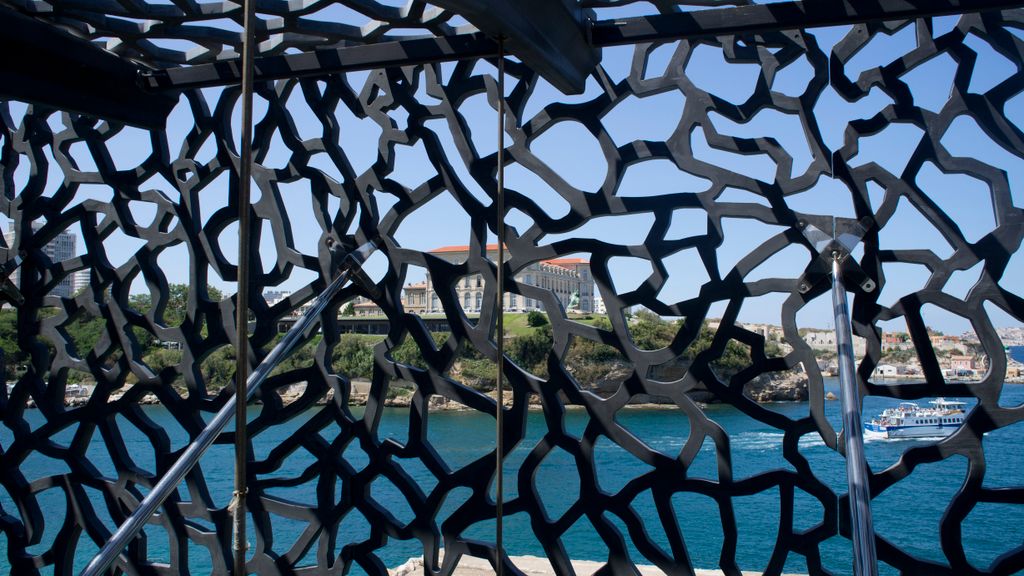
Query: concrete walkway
531,565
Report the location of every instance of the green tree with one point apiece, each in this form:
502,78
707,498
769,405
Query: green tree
353,357
479,373
536,318
84,332
300,357
177,302
650,332
13,355
160,358
408,352
218,368
531,351
734,357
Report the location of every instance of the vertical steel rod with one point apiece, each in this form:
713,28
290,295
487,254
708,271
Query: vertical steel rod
499,444
174,476
865,562
242,298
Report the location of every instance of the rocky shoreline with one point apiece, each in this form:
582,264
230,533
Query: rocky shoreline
789,387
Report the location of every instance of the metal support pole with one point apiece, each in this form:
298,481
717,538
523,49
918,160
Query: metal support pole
865,561
149,505
499,444
242,297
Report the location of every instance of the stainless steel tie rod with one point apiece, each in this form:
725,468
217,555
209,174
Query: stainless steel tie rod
835,260
350,266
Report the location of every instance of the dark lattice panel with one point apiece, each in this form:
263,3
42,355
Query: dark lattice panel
186,33
53,160
169,34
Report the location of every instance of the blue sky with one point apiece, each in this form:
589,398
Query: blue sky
576,156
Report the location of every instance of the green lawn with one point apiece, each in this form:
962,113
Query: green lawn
515,323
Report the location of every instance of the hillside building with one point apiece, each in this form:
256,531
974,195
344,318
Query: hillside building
569,279
62,247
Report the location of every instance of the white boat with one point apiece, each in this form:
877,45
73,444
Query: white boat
908,420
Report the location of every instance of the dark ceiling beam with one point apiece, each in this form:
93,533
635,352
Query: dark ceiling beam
780,16
327,61
665,27
43,64
549,36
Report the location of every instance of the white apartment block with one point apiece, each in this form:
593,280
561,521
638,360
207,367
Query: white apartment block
563,277
63,247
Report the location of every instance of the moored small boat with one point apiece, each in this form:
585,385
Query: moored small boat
908,420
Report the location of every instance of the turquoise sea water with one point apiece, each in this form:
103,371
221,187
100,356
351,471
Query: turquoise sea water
1017,353
908,514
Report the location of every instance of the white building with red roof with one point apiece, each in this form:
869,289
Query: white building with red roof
567,279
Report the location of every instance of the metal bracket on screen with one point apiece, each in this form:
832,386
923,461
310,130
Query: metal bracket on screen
347,257
846,234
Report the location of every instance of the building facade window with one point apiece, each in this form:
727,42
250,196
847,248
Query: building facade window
564,279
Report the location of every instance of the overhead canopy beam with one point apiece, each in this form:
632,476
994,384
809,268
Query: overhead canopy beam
327,61
664,27
46,65
549,36
780,16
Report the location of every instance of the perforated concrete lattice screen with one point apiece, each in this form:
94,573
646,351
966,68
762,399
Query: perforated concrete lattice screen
684,174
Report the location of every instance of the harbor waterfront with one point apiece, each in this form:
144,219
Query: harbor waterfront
908,514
